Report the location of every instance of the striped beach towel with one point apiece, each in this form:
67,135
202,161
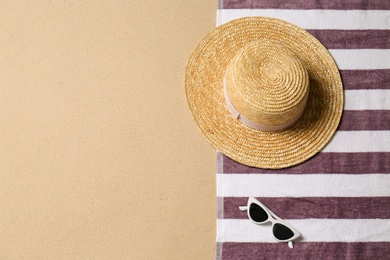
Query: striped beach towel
338,200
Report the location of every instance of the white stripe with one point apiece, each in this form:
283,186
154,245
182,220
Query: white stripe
363,99
316,19
359,141
312,230
305,185
361,59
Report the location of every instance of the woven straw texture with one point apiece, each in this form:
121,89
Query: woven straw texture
267,83
204,91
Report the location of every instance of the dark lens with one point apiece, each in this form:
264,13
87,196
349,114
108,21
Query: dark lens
257,213
282,232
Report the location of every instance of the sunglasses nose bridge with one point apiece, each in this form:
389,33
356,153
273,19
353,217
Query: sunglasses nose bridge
273,221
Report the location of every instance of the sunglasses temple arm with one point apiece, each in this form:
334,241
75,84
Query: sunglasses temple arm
243,208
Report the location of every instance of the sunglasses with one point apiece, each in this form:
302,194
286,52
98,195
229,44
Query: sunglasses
260,214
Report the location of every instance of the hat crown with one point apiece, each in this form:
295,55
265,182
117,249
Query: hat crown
267,83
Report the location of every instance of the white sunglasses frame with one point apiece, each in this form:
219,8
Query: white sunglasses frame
273,218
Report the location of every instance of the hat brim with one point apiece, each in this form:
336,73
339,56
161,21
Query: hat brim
204,92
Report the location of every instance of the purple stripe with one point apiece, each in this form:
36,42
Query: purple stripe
353,39
356,163
366,79
307,4
305,250
365,120
314,207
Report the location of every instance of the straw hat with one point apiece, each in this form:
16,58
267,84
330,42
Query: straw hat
264,92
